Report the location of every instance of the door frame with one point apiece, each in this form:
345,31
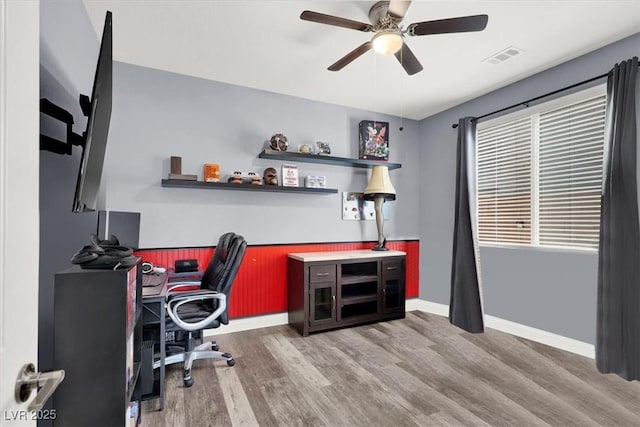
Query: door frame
19,198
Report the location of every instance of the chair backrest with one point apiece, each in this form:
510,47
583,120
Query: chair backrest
225,269
218,260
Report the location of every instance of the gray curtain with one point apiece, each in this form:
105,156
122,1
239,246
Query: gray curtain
618,304
465,305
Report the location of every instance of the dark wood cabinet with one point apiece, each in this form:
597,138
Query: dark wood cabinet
328,290
97,342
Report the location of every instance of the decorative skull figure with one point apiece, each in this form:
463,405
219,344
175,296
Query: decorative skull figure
270,176
236,178
279,142
255,179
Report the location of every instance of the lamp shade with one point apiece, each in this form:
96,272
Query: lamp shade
380,183
387,42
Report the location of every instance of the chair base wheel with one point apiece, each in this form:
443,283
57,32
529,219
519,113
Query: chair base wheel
188,381
231,362
215,347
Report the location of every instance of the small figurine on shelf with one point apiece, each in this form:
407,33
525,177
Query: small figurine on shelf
270,176
236,178
323,148
305,149
255,179
211,172
279,142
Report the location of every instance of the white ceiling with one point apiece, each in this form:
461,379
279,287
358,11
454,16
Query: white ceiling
263,44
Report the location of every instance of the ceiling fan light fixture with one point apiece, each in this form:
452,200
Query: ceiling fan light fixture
387,42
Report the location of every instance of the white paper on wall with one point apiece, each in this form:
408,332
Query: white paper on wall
354,207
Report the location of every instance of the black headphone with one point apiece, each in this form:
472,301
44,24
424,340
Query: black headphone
103,254
111,246
86,254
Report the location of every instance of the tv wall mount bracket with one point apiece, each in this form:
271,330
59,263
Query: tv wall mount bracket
55,145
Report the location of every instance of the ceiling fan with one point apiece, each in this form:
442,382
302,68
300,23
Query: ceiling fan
386,22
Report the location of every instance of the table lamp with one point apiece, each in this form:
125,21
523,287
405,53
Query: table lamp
380,190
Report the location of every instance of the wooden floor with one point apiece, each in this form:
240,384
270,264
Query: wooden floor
415,371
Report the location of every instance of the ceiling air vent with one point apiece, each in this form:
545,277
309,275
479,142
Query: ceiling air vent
503,55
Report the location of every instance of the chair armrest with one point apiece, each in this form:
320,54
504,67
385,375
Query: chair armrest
185,286
188,294
176,300
184,276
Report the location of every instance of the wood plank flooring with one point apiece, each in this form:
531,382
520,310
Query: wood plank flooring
417,371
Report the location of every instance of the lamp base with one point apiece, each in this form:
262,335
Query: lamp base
381,246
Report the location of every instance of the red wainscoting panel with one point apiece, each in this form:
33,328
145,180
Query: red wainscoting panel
261,284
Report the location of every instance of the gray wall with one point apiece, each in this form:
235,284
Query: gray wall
68,55
553,291
158,114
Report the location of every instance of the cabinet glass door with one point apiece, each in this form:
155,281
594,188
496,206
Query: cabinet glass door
393,295
322,303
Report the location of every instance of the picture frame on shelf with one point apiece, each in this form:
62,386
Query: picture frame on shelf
315,181
289,175
373,140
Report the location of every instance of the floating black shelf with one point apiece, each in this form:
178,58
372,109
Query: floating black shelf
328,160
178,183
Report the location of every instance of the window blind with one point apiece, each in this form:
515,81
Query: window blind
539,177
504,182
570,181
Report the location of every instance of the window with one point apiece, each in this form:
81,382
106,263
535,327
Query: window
539,174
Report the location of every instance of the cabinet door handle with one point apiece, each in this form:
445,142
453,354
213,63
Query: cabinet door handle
392,268
333,302
322,274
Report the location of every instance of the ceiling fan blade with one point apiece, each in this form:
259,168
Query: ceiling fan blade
408,60
398,8
462,24
349,57
321,18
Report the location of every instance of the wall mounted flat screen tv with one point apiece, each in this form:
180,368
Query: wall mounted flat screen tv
97,131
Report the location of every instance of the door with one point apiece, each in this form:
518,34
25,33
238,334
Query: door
322,304
393,292
322,294
393,295
19,215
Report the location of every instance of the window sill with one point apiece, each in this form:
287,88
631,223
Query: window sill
584,251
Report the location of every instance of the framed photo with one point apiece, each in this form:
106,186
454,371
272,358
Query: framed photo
289,175
373,140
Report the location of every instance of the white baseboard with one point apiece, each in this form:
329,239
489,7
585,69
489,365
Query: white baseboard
248,323
428,307
513,328
517,329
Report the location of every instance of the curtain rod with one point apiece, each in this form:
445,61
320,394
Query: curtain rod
526,103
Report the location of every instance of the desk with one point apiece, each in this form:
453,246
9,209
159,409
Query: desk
153,327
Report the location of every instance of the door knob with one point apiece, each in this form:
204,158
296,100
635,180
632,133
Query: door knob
29,380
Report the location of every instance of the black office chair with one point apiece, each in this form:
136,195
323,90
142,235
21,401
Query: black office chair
205,308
